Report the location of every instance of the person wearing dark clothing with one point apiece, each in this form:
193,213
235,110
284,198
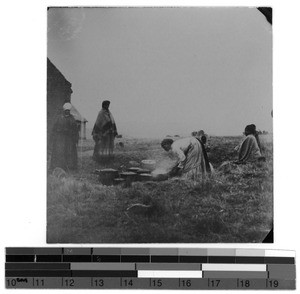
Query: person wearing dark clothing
104,133
250,149
65,137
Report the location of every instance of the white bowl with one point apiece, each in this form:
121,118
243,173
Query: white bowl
148,164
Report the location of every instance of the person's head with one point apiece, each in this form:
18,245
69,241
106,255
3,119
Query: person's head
105,104
67,108
203,139
166,144
250,130
200,133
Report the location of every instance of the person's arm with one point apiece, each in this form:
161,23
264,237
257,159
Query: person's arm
114,130
96,133
177,168
180,155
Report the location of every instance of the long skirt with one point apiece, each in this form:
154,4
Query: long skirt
64,153
104,147
195,166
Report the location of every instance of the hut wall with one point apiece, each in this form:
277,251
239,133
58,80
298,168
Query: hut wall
82,130
58,92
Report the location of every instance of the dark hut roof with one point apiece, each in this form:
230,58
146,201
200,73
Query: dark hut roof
54,76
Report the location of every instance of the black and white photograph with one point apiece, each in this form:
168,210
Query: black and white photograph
149,127
159,125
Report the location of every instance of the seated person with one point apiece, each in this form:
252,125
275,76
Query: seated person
249,150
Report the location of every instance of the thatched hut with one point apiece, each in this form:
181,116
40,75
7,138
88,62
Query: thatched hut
59,91
81,121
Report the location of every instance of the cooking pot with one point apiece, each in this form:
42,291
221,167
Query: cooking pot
149,164
107,176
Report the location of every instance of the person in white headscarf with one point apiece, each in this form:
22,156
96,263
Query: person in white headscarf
64,139
104,133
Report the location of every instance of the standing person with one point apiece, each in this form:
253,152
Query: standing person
65,137
249,150
192,158
104,133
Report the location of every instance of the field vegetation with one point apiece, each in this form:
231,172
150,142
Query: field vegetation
236,205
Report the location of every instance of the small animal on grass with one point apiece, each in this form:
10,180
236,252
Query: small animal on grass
121,144
59,173
139,208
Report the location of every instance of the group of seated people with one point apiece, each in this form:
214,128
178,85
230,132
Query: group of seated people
192,160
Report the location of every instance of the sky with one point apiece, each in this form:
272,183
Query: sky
167,71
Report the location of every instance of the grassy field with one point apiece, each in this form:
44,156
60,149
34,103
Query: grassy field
235,206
